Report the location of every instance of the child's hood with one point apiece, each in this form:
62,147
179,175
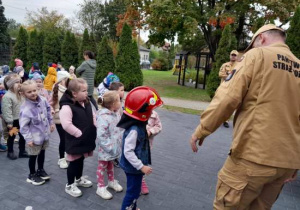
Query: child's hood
105,111
51,71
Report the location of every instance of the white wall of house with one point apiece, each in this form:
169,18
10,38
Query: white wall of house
144,56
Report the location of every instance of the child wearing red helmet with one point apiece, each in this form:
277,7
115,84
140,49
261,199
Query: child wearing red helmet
136,155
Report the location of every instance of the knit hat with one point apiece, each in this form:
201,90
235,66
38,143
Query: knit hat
54,65
37,76
49,64
19,62
18,69
5,69
36,66
62,75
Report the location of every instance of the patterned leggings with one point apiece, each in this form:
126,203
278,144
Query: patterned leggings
102,167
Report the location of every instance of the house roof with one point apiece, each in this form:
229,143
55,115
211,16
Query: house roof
141,48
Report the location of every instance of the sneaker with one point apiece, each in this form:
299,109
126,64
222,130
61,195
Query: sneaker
62,163
144,188
115,186
35,179
116,163
23,154
11,155
226,125
42,173
83,182
3,148
104,193
73,190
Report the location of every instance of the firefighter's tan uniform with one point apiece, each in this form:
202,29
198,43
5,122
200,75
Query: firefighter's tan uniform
226,69
264,87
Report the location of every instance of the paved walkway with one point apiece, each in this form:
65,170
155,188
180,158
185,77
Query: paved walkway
181,180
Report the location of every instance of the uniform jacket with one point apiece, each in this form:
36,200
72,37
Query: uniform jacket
135,150
10,107
226,69
264,87
35,120
50,79
109,136
87,71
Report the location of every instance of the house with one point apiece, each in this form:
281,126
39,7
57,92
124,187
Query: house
144,57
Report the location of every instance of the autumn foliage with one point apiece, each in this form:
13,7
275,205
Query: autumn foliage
222,22
133,18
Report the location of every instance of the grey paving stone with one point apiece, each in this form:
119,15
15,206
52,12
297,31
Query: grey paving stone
181,180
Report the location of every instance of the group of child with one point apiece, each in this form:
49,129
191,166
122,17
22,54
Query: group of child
121,133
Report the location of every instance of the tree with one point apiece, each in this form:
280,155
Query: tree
20,48
66,49
34,49
227,43
293,34
105,61
48,21
74,50
133,18
101,18
51,50
4,36
93,44
69,50
166,19
91,14
13,27
85,45
128,60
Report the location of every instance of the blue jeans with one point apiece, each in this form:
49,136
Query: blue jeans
134,184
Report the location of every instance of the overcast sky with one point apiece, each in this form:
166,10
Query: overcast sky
17,9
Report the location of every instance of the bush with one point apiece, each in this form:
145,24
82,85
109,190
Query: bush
160,64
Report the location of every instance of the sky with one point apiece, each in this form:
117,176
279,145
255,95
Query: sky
17,9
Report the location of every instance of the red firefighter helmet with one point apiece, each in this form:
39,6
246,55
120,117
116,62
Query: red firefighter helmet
140,102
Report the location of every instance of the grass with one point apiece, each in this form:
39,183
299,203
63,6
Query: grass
182,110
166,85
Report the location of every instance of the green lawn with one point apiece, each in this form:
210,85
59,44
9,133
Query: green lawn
166,85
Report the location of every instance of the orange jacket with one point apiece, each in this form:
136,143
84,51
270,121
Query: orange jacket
50,79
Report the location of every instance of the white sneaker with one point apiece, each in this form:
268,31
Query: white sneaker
83,182
115,186
62,163
104,193
73,190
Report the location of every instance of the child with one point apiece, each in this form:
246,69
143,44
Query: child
3,130
109,138
153,127
35,69
50,79
78,121
72,72
118,86
11,103
104,86
58,90
136,155
36,125
40,86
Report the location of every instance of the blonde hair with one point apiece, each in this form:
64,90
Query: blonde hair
9,84
108,99
74,85
26,84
